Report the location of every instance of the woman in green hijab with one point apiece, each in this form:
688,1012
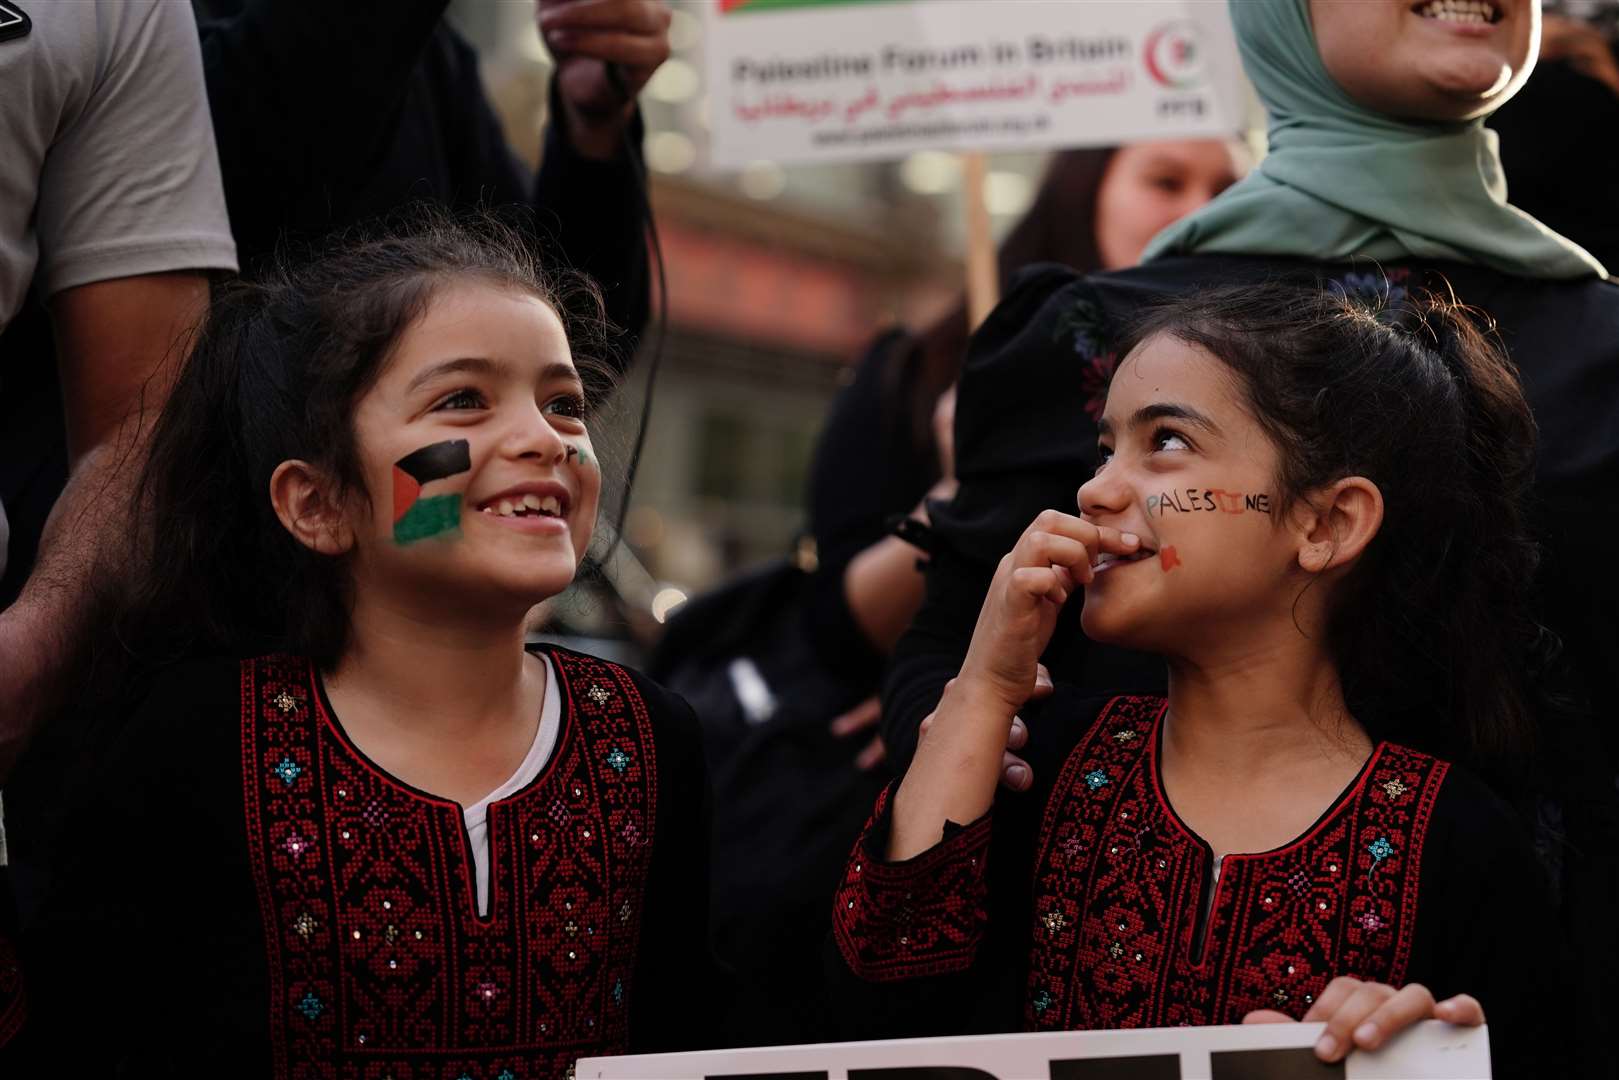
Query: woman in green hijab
1380,181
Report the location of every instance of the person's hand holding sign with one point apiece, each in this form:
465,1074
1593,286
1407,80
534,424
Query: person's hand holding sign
1365,1015
605,52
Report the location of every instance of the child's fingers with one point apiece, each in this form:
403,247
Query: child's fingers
1407,1005
1335,994
872,755
1043,686
1345,1021
1042,582
1096,538
1015,772
862,716
1463,1009
1267,1016
1018,736
1040,548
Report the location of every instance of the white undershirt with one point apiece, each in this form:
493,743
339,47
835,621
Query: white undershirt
477,815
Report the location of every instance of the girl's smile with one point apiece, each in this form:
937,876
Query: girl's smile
489,370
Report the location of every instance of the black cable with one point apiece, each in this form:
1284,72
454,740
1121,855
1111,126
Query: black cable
644,189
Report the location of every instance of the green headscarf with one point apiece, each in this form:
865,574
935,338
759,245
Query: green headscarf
1341,180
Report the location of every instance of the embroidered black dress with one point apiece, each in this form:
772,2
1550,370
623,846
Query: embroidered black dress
1035,380
249,895
1085,903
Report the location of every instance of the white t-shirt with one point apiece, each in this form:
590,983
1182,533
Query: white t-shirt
539,753
108,167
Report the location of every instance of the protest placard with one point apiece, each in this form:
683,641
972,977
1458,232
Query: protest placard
825,80
1428,1051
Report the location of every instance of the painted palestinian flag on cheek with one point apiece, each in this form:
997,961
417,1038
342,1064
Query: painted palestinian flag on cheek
415,517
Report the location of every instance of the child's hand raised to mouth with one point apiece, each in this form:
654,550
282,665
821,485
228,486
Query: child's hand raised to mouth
1055,555
960,762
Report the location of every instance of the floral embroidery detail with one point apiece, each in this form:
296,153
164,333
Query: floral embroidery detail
598,693
1125,736
287,769
1394,788
285,702
1041,1002
1096,779
618,759
345,928
1055,921
1283,921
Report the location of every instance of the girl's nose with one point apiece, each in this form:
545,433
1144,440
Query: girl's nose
534,438
1103,493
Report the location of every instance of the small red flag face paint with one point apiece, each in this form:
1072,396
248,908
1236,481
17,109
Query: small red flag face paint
1168,559
416,518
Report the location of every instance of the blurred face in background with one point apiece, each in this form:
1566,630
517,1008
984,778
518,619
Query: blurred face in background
1149,186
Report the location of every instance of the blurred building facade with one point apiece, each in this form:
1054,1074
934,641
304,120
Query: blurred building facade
778,276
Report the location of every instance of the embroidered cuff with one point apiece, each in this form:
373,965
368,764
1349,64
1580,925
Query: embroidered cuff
923,916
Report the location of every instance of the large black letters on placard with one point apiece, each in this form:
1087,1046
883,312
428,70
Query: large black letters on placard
923,1072
1286,1064
1151,1067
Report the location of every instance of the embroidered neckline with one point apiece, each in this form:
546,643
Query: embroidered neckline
1344,802
328,718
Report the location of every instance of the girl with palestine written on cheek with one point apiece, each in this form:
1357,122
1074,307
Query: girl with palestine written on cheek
393,840
1381,179
1312,511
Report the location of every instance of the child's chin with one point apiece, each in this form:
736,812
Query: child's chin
1107,624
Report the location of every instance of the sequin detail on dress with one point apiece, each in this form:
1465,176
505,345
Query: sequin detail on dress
379,964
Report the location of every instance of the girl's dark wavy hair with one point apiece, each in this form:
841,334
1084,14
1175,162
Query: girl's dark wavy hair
275,373
1432,629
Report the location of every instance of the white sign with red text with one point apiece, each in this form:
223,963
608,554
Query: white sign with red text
1427,1051
827,80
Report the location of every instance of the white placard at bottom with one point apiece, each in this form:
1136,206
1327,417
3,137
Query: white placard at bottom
1428,1051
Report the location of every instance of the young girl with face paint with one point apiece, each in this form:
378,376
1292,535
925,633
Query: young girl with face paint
1313,511
370,831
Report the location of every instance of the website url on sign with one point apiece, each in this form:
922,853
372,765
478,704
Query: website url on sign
937,129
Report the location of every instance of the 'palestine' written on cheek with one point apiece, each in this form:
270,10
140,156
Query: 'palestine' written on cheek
1209,500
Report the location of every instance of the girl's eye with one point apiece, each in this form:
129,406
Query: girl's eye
464,398
1169,439
569,405
1104,454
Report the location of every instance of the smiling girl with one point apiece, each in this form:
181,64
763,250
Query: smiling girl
394,840
1313,512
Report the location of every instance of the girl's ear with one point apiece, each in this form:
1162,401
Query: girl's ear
1340,521
307,509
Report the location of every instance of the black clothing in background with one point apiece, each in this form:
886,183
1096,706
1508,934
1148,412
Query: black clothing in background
1085,903
331,114
206,865
1560,153
869,465
788,799
1033,383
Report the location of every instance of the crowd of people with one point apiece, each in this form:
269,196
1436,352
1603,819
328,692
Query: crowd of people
1217,634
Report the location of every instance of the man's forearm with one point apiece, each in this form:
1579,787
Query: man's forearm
82,556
